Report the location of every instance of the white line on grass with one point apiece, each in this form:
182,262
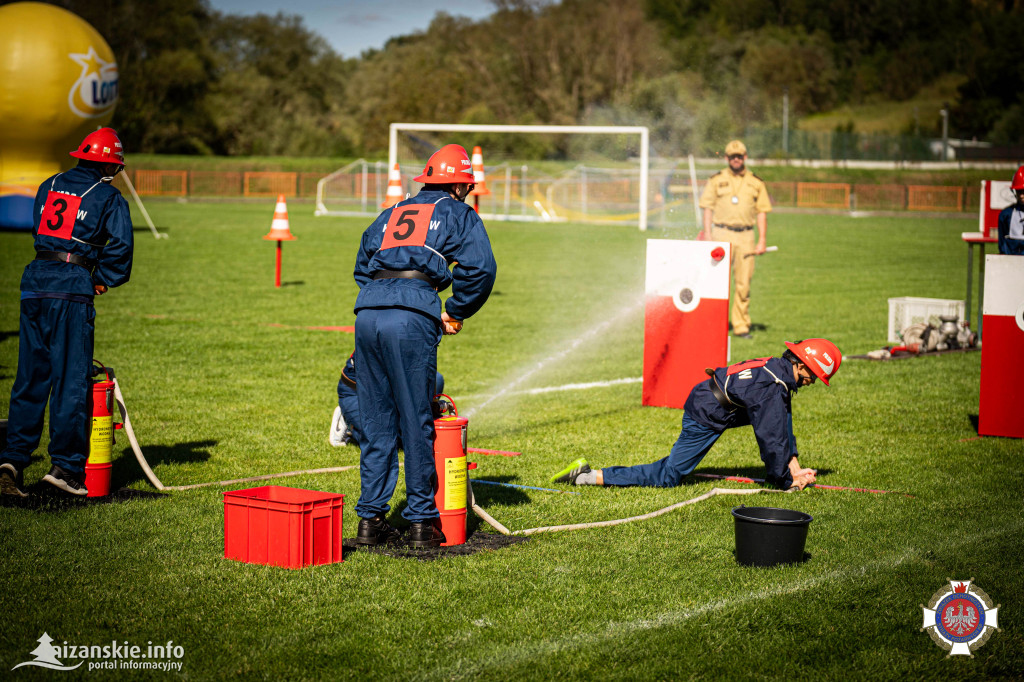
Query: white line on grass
506,656
580,387
594,332
565,387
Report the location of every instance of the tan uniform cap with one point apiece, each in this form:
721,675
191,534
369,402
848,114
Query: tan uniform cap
735,147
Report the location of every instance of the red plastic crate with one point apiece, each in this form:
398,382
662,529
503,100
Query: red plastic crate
280,526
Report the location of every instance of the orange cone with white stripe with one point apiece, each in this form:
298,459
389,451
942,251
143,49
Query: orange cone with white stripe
478,174
394,194
279,230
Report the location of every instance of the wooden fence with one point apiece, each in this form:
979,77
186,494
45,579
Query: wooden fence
840,196
865,197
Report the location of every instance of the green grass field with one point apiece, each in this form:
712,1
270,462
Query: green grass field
223,380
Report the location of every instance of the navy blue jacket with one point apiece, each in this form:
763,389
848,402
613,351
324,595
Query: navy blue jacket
1007,245
427,233
100,230
762,395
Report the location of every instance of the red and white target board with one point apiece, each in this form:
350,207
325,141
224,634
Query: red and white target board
995,196
1001,408
686,318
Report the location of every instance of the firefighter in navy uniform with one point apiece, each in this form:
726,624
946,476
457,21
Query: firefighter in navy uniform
83,243
1011,220
735,201
402,263
756,392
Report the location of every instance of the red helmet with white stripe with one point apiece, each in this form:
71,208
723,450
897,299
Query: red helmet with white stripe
101,145
449,164
820,355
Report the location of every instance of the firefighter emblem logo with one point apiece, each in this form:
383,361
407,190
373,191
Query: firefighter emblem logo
960,617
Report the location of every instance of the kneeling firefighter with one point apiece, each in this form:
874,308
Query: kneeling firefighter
401,266
84,244
756,392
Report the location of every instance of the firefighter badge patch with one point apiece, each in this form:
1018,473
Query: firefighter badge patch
960,617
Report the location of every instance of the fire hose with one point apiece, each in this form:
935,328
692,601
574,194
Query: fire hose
613,522
146,469
490,520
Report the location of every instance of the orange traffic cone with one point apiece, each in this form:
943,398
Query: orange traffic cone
279,230
478,174
394,194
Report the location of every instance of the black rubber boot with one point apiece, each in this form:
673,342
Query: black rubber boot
426,534
376,531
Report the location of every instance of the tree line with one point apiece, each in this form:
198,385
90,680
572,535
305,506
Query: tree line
196,81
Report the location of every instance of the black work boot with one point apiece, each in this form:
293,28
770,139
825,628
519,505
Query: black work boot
11,481
426,534
376,531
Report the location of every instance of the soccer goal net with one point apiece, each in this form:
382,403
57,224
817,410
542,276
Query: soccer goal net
584,174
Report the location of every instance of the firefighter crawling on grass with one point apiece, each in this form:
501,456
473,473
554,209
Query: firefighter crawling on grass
756,392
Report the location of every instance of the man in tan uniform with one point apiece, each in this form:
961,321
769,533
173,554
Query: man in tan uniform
734,200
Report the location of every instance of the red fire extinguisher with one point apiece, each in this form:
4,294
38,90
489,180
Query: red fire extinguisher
450,496
101,433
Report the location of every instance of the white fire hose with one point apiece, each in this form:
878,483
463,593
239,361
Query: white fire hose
471,498
613,522
119,398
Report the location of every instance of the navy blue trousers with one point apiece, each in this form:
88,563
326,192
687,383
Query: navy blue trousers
55,345
348,401
695,440
396,361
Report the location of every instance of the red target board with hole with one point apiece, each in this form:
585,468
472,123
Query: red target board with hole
1002,373
995,196
686,317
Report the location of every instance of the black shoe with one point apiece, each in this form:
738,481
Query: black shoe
11,481
70,483
744,335
376,531
426,534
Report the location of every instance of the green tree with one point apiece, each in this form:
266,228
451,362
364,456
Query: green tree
165,66
278,88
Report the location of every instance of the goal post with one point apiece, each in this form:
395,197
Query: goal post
641,131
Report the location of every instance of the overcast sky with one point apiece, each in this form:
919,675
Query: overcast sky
352,26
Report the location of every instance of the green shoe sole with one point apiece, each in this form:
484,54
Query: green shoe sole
567,471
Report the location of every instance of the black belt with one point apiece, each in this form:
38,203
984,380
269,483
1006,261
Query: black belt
65,257
743,228
721,396
402,274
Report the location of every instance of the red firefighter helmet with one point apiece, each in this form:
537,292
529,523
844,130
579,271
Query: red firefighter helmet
1018,179
102,145
448,164
820,355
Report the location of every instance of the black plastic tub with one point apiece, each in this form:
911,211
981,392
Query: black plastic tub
766,536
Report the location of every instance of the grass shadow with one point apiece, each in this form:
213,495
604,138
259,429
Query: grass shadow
127,470
43,497
803,559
